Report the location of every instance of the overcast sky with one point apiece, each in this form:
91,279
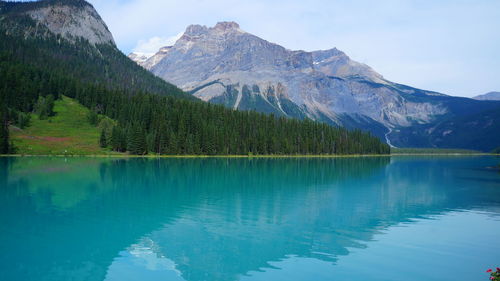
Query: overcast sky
450,46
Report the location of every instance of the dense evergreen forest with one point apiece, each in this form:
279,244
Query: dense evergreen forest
152,115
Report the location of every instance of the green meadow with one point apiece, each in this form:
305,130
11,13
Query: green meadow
68,132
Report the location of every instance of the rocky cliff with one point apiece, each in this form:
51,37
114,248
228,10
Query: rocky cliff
71,19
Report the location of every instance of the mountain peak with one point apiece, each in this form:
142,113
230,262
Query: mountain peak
334,62
226,48
195,29
227,25
220,27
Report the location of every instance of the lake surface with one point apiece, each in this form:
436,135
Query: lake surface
378,218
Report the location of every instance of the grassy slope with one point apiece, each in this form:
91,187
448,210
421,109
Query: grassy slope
68,132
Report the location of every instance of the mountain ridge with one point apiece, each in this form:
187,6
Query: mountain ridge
224,64
207,60
488,96
325,60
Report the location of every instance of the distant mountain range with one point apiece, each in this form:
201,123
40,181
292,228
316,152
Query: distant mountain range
488,96
226,65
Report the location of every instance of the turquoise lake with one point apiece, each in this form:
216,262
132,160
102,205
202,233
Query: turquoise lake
373,218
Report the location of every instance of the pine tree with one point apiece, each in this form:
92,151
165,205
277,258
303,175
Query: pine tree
172,144
137,144
116,139
49,105
93,117
44,107
4,132
23,120
102,140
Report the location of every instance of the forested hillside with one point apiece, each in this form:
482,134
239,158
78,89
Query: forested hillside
37,67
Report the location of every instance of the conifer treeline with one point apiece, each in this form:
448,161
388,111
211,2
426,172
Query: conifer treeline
167,122
170,126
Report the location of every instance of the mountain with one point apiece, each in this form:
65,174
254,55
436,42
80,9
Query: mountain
55,50
226,65
488,96
69,36
71,19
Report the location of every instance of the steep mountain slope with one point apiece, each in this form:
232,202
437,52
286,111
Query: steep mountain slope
39,63
70,37
468,130
71,19
488,96
226,65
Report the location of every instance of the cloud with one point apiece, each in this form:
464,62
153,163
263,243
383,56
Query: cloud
150,46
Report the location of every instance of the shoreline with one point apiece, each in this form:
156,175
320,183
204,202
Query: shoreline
247,156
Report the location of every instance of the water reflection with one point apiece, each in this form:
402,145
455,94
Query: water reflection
215,219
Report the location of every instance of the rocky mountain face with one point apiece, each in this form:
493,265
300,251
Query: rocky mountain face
71,19
226,65
488,96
